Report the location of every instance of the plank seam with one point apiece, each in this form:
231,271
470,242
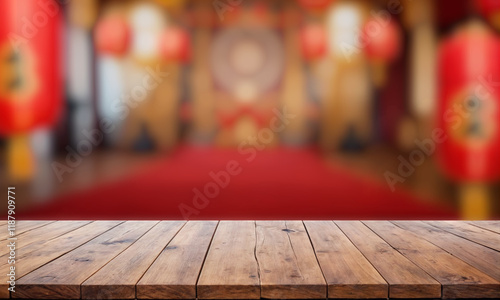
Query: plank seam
317,260
445,232
450,253
156,258
481,227
55,237
81,293
204,259
355,246
293,250
31,229
464,237
411,261
10,293
256,260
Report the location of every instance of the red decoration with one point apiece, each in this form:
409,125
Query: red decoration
469,107
175,45
30,69
229,119
382,40
313,42
490,9
112,35
315,5
256,14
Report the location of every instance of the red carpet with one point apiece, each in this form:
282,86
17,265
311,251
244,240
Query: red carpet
277,184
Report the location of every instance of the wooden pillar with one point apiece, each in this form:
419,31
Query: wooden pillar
163,118
419,18
347,101
294,94
203,121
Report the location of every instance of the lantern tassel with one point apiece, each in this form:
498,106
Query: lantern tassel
20,159
475,201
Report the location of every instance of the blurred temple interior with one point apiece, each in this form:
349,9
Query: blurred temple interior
237,109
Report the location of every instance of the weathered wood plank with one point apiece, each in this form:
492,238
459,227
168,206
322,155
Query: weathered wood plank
478,256
35,237
35,255
61,278
44,233
231,270
489,225
348,273
458,279
175,272
470,232
406,280
287,263
24,226
117,279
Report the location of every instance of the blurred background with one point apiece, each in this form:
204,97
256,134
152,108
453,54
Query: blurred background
237,109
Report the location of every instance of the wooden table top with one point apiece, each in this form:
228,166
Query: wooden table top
253,259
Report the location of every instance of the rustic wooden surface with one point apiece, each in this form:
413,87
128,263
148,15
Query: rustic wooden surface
254,259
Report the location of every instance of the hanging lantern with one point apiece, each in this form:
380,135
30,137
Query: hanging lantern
175,45
383,41
382,44
469,115
490,9
315,5
30,77
313,42
112,35
469,66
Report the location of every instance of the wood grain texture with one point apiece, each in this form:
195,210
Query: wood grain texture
61,278
479,235
45,233
458,279
175,272
231,270
24,226
36,255
489,225
117,279
406,280
19,230
348,273
287,263
483,258
252,260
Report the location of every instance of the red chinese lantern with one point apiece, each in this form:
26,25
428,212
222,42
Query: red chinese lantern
382,40
469,107
490,9
112,35
382,44
30,70
469,115
175,45
315,5
313,42
30,75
